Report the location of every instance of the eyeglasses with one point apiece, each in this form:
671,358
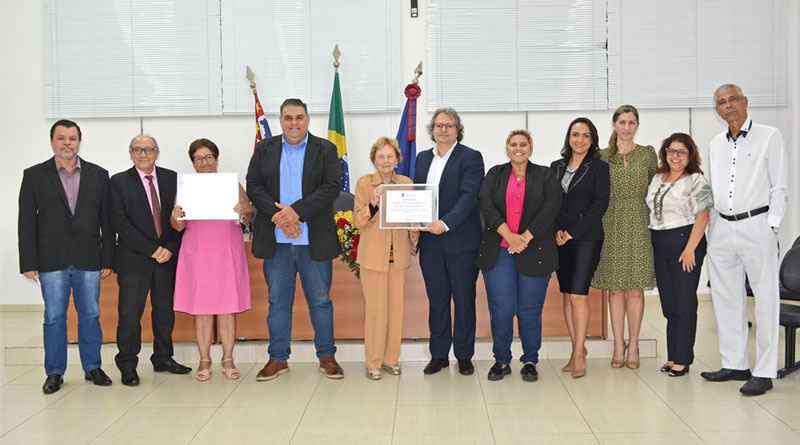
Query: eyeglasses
148,151
447,127
202,159
679,153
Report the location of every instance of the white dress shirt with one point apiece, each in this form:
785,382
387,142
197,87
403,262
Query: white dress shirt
750,172
437,167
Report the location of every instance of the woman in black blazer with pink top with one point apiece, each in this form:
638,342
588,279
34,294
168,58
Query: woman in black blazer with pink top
585,183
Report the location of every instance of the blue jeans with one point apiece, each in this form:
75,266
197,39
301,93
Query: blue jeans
315,276
85,286
511,293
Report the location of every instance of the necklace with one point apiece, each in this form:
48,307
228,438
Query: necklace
658,200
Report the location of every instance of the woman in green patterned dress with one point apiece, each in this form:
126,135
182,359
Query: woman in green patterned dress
626,261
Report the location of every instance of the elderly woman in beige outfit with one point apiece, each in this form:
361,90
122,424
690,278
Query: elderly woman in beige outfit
384,257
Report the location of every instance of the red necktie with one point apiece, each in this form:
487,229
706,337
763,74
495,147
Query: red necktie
156,205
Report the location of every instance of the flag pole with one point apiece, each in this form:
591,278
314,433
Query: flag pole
336,123
262,126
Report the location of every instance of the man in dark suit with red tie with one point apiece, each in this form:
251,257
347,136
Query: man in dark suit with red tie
449,246
66,243
141,200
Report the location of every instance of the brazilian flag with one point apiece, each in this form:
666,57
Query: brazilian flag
336,131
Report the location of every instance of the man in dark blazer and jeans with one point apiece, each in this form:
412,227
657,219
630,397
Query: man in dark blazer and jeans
66,243
449,246
292,181
142,198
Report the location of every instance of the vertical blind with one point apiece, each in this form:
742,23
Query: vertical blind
511,55
675,53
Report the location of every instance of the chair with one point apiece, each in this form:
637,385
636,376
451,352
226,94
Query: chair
343,202
789,279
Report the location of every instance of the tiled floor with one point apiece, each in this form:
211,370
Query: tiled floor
607,406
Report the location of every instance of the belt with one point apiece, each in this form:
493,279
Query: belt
745,215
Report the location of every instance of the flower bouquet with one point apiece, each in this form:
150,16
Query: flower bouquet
349,236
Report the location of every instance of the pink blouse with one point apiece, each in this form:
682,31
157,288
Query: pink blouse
515,196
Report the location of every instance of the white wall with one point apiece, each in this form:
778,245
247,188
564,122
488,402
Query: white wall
24,131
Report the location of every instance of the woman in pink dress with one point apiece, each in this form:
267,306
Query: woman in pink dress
212,276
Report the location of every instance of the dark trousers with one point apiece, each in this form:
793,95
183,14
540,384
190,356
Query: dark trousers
449,277
133,290
677,290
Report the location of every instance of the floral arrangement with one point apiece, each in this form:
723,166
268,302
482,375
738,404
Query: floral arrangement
349,236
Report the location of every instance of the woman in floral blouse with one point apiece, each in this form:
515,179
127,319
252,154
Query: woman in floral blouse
679,198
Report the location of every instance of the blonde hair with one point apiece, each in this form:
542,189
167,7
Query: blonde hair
612,141
521,131
380,143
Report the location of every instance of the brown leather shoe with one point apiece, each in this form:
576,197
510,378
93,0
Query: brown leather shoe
331,369
272,369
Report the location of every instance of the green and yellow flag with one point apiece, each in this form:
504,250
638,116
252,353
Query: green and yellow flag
336,131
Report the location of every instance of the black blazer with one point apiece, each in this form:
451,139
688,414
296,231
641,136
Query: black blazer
50,237
458,197
132,218
586,200
322,177
542,201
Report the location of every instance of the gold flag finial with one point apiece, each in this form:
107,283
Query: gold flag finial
251,77
336,55
417,73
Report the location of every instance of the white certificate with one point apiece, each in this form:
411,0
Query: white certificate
208,195
405,206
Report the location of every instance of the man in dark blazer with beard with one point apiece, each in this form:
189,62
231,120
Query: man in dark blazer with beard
66,243
142,198
292,181
449,246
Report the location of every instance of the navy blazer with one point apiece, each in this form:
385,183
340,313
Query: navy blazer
539,209
322,178
458,197
586,199
52,238
132,219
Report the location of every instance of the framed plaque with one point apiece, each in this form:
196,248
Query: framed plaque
409,206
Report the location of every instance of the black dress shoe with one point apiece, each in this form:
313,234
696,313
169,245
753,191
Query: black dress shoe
436,365
725,374
52,383
756,386
465,366
130,378
675,373
499,371
98,377
529,373
170,365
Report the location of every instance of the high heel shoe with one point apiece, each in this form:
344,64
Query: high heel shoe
666,368
619,363
675,373
569,367
633,364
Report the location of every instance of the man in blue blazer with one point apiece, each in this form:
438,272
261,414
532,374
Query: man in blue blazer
67,244
449,246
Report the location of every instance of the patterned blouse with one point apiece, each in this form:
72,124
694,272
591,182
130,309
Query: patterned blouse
676,204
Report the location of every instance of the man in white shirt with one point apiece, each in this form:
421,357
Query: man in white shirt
749,176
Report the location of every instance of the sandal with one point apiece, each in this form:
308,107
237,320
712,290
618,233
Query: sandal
676,373
633,364
616,364
203,372
230,372
569,367
666,368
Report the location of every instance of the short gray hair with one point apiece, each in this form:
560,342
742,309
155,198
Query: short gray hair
725,87
130,145
452,113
